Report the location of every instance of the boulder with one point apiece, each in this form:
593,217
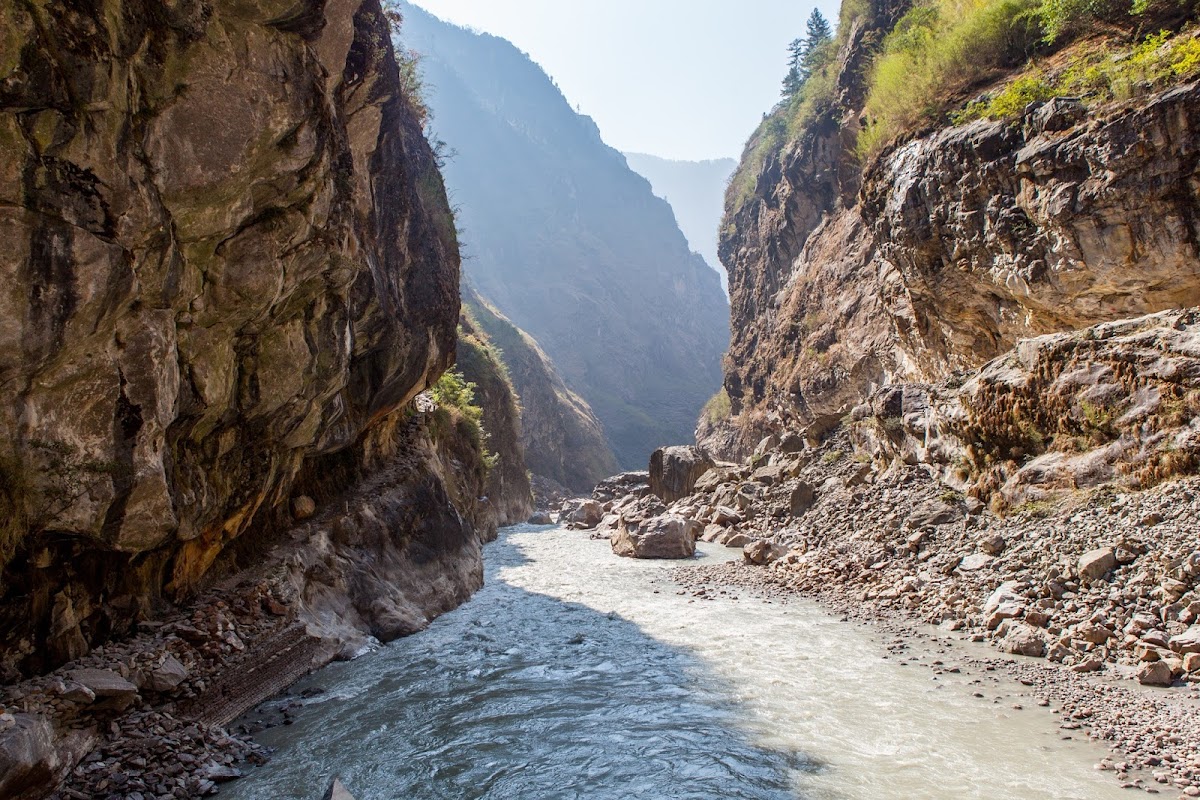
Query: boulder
933,513
1186,642
78,693
974,562
1155,673
737,539
711,480
791,443
1022,640
1002,604
768,475
724,515
763,552
581,513
1093,632
1096,564
674,471
667,536
541,518
801,498
337,791
113,691
220,773
992,545
164,677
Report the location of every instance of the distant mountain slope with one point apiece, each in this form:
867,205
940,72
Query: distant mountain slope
569,243
696,191
560,435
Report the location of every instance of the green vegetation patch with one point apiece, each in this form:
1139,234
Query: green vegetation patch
936,49
1098,75
944,47
455,398
718,408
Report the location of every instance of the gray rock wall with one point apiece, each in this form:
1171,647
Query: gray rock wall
228,253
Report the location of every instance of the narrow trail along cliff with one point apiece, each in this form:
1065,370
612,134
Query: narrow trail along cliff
935,535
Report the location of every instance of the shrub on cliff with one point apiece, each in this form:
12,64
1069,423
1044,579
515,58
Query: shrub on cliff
942,48
455,399
938,48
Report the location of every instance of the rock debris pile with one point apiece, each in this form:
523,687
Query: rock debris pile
148,711
1103,585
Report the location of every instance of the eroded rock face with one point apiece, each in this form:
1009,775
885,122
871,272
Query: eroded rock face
228,255
959,243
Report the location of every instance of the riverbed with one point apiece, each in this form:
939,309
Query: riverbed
577,674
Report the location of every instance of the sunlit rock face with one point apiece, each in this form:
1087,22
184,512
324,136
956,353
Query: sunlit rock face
951,247
227,253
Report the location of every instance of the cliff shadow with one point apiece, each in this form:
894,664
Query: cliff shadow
520,695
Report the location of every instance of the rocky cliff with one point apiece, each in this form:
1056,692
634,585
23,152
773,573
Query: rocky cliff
230,266
949,245
570,244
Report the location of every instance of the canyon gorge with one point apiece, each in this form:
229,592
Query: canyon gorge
357,392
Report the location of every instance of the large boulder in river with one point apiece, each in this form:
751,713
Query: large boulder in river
668,536
581,513
675,470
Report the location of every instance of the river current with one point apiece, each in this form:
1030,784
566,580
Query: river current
575,674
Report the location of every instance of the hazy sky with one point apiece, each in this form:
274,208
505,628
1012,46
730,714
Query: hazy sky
684,79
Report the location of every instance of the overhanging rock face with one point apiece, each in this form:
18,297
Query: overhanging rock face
228,254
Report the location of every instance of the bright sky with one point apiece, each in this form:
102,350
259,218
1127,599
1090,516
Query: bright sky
682,79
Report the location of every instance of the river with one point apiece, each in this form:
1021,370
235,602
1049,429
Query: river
577,674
